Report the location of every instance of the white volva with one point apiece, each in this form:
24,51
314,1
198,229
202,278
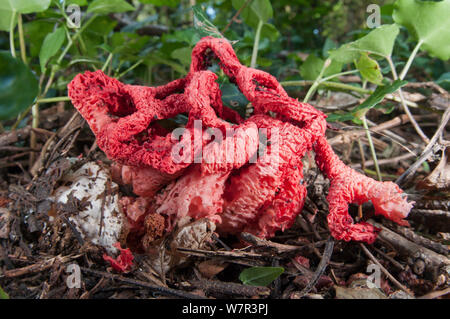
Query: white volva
92,185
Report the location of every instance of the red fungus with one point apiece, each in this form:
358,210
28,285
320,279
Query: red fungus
123,262
259,196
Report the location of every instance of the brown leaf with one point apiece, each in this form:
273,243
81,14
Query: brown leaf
439,179
210,268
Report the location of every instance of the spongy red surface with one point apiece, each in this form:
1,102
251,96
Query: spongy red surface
238,184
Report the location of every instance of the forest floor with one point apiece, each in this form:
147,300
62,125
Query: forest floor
35,250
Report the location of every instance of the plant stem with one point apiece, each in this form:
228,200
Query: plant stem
34,124
338,74
403,100
53,99
130,68
410,60
20,118
372,147
77,34
11,34
23,52
316,83
108,60
334,85
256,44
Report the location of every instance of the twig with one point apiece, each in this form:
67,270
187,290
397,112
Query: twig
159,289
230,288
219,253
349,136
12,137
279,248
73,229
38,267
384,270
412,236
389,258
428,149
321,268
435,294
433,261
235,16
386,161
435,219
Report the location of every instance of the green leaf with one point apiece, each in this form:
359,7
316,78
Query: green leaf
7,7
51,45
35,32
260,276
379,41
203,25
183,55
310,69
369,69
254,11
109,6
427,21
127,44
157,58
269,31
263,9
377,96
18,86
335,117
3,294
444,81
233,98
81,3
159,3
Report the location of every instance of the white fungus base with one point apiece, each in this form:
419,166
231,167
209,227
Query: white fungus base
92,185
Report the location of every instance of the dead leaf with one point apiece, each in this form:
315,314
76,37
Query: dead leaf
439,179
5,223
359,293
211,267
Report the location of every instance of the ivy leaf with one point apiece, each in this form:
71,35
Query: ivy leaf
427,21
7,7
51,45
3,294
233,98
18,86
369,69
379,41
255,11
377,96
109,6
203,25
310,69
260,276
159,3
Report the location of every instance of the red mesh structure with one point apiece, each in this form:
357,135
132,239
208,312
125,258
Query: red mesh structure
253,188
